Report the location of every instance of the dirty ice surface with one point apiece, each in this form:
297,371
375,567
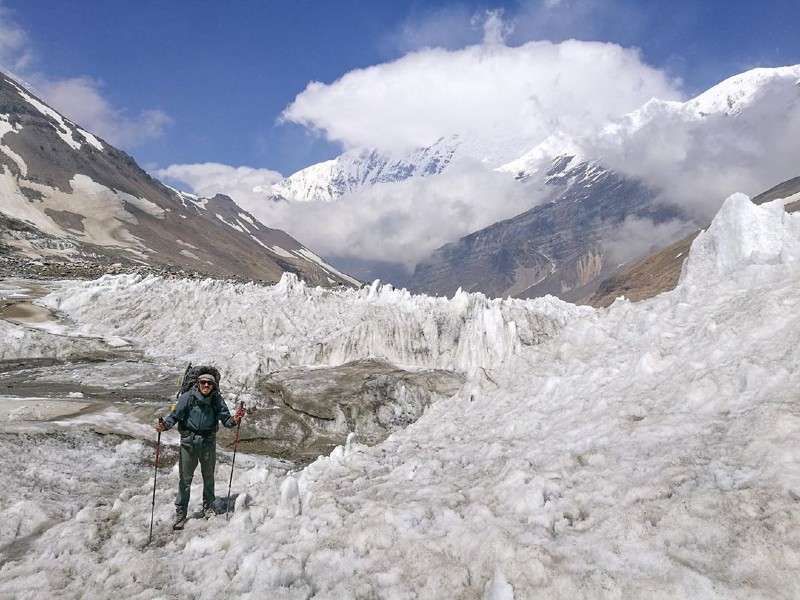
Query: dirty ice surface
647,450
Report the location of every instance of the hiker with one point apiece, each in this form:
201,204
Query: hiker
197,414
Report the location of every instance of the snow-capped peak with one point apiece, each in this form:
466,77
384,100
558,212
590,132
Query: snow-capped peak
331,179
730,97
735,93
356,169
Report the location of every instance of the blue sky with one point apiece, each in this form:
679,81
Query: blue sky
175,82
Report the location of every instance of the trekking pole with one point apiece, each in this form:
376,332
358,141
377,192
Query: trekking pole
155,476
239,411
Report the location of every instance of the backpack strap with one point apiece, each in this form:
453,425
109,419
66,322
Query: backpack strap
189,406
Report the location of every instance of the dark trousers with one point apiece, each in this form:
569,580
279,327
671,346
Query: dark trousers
191,455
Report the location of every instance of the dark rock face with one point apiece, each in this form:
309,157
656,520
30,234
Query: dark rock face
555,248
119,217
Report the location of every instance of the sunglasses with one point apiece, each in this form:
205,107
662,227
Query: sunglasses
204,383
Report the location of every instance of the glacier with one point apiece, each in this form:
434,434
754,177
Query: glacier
639,451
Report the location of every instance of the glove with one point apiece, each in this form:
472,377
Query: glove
239,413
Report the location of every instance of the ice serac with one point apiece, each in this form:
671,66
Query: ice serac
742,235
292,324
72,204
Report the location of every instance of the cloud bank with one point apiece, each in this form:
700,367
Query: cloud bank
403,222
249,187
398,222
526,91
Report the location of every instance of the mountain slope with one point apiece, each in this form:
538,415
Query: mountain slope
72,204
555,248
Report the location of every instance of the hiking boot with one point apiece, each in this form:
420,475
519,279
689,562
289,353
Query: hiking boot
180,520
208,511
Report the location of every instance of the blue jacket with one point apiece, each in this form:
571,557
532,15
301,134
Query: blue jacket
199,414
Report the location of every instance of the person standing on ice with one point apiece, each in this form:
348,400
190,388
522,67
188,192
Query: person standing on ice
198,413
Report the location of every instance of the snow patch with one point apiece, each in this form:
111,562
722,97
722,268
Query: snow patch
232,225
280,252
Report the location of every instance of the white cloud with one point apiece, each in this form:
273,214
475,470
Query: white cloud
525,91
15,50
404,221
247,186
397,222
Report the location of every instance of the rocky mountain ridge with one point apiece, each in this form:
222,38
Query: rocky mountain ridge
554,248
71,204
